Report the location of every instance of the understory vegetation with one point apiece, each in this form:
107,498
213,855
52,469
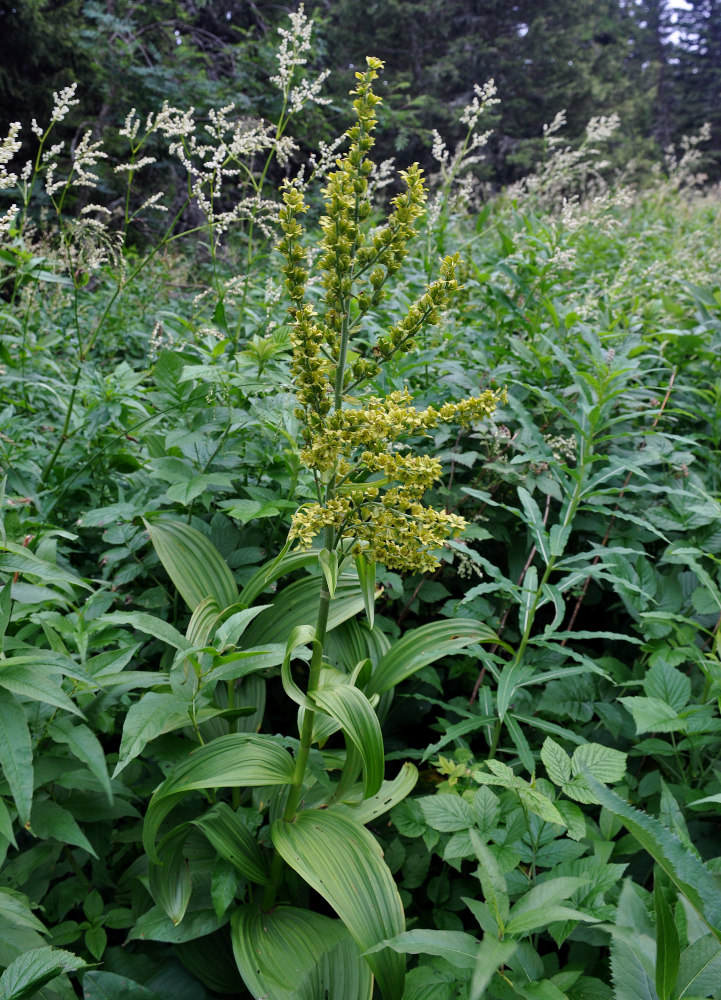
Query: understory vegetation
360,552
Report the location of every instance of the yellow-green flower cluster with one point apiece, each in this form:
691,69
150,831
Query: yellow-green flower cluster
378,498
370,491
396,529
381,421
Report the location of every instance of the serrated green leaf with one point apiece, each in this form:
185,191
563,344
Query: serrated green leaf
447,813
667,684
687,872
604,763
631,974
110,986
556,761
457,947
344,864
487,809
30,972
699,969
232,761
293,954
492,954
651,715
539,919
492,879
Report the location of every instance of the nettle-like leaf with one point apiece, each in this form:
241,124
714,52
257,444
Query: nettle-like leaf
690,876
30,972
534,799
604,763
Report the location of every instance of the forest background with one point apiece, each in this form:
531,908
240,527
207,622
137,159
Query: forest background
170,223
656,63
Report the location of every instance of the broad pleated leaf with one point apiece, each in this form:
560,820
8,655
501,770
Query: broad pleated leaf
343,863
16,754
685,870
192,562
297,605
30,972
203,622
423,645
233,841
282,565
169,881
367,576
389,795
352,710
235,760
293,954
302,635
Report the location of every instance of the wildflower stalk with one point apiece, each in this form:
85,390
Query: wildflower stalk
369,495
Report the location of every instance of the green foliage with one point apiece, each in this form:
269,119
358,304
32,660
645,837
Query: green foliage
197,719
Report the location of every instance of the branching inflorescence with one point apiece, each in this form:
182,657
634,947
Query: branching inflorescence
370,492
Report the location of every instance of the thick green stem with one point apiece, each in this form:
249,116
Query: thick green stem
306,737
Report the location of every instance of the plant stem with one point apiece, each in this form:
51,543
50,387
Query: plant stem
306,737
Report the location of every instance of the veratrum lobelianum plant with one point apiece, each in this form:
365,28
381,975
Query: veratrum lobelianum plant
311,808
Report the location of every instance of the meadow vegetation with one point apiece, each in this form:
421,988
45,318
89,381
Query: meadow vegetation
360,550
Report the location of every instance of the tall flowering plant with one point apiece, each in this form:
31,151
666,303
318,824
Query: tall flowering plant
369,507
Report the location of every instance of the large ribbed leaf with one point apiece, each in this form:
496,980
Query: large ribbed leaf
192,562
274,570
423,645
293,954
298,604
233,841
389,795
235,760
169,881
353,712
342,861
